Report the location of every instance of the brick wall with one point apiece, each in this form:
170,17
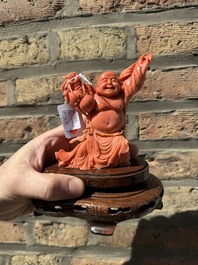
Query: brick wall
41,41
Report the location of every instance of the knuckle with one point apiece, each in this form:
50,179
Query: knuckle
49,188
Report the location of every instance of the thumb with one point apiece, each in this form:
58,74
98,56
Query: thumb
52,187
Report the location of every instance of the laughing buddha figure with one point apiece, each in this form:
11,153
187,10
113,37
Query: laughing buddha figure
104,107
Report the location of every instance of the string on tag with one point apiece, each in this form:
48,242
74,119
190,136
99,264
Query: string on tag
84,78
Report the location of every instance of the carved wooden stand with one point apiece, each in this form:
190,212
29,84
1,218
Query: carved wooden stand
111,195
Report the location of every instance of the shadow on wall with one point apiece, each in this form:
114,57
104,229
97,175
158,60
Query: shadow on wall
166,241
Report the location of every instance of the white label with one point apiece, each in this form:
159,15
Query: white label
72,120
84,78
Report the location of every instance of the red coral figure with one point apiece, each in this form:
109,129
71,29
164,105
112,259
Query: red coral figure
103,143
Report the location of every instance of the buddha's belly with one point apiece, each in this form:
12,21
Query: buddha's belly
108,121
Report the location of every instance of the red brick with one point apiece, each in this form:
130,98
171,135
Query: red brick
171,85
177,125
160,236
164,85
164,236
120,238
11,233
20,10
22,128
3,94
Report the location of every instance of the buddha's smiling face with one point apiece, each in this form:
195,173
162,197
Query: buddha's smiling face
108,85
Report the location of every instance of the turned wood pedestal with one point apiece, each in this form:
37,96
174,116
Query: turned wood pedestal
111,195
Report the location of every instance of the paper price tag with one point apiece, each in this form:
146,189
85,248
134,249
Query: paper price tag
72,120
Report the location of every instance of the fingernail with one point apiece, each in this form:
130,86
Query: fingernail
76,187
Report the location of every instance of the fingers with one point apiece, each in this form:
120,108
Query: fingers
61,187
51,187
56,132
54,140
11,210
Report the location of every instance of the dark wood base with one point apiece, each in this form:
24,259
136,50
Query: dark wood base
112,195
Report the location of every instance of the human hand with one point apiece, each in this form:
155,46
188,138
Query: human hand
22,178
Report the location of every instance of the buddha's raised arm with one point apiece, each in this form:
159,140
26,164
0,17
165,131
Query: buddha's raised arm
133,77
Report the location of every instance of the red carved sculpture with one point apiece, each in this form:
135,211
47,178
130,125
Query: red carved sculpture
102,143
122,187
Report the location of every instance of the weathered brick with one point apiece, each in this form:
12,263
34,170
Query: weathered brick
38,90
4,259
177,84
131,132
176,125
25,50
11,233
3,94
22,128
120,237
152,234
165,228
179,199
168,261
170,38
99,261
61,234
174,164
170,85
28,10
91,43
171,229
115,6
34,259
